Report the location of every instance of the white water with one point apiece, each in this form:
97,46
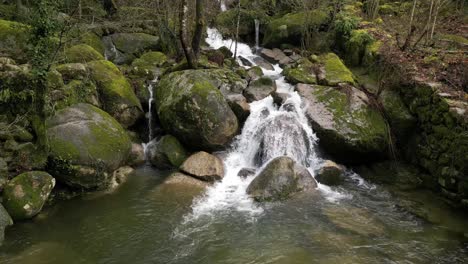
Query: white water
269,132
257,35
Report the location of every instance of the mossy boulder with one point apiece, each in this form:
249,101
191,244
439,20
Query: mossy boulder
356,46
116,93
13,40
166,153
82,53
300,72
194,110
129,46
260,89
348,128
25,195
86,145
330,173
150,60
280,179
335,70
5,221
288,29
255,72
93,40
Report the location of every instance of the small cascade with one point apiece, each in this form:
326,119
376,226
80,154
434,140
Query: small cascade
223,5
257,35
149,115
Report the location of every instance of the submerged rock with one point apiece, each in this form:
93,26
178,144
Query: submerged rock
25,195
166,153
5,221
356,220
260,89
280,179
348,128
116,93
330,173
193,109
86,145
204,166
181,179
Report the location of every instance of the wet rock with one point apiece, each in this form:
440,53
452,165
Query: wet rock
300,72
254,73
245,61
280,179
263,63
194,110
246,172
120,176
330,173
280,98
203,166
25,194
260,89
137,155
86,145
225,51
275,56
348,128
239,106
178,178
356,220
401,120
5,221
166,153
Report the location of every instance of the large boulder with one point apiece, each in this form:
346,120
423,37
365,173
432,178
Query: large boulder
166,153
280,179
203,166
300,72
25,195
116,93
86,146
239,106
13,40
82,53
5,221
335,71
348,128
123,48
330,173
193,109
260,89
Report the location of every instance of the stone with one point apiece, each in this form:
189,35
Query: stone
356,220
280,98
72,71
348,128
401,120
335,70
246,172
150,61
263,63
273,56
181,179
130,45
239,106
260,89
82,53
300,72
166,153
280,179
330,173
5,221
25,195
203,166
86,146
116,93
137,155
14,40
254,73
120,176
245,61
191,107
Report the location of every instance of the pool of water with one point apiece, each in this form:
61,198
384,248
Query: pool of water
147,221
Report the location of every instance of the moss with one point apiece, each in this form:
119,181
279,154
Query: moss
387,9
356,46
94,41
173,150
150,60
335,71
298,75
371,54
82,53
135,43
13,39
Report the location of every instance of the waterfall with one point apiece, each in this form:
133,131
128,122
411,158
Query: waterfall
223,5
149,115
257,35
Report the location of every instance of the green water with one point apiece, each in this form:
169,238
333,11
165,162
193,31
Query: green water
146,221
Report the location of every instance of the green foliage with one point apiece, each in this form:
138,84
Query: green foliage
345,24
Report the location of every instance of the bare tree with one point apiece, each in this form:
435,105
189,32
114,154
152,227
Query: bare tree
199,26
183,34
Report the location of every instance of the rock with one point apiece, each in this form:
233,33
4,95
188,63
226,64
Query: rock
93,40
401,120
356,220
301,72
239,106
132,45
347,127
74,92
273,56
86,145
203,166
72,71
260,89
254,73
5,221
17,133
116,92
289,28
25,195
330,173
280,98
280,179
245,61
194,110
30,156
181,179
225,51
166,153
82,53
14,40
137,155
120,176
150,61
263,63
3,173
335,70
246,172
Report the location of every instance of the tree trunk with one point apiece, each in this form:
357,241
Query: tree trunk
199,26
183,33
237,28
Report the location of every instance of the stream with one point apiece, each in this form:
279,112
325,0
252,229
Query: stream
147,221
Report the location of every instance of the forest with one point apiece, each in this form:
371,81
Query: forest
233,131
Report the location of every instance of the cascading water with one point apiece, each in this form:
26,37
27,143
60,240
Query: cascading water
257,35
149,115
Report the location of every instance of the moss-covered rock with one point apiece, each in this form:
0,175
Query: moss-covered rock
401,120
194,110
82,53
25,195
93,40
72,71
166,153
5,221
348,128
356,46
335,70
288,29
148,64
129,46
76,91
86,144
13,39
116,93
259,89
280,179
300,72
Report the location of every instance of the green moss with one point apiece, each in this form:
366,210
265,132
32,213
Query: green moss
173,149
371,53
13,40
387,9
298,75
150,60
336,71
356,46
94,41
82,53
